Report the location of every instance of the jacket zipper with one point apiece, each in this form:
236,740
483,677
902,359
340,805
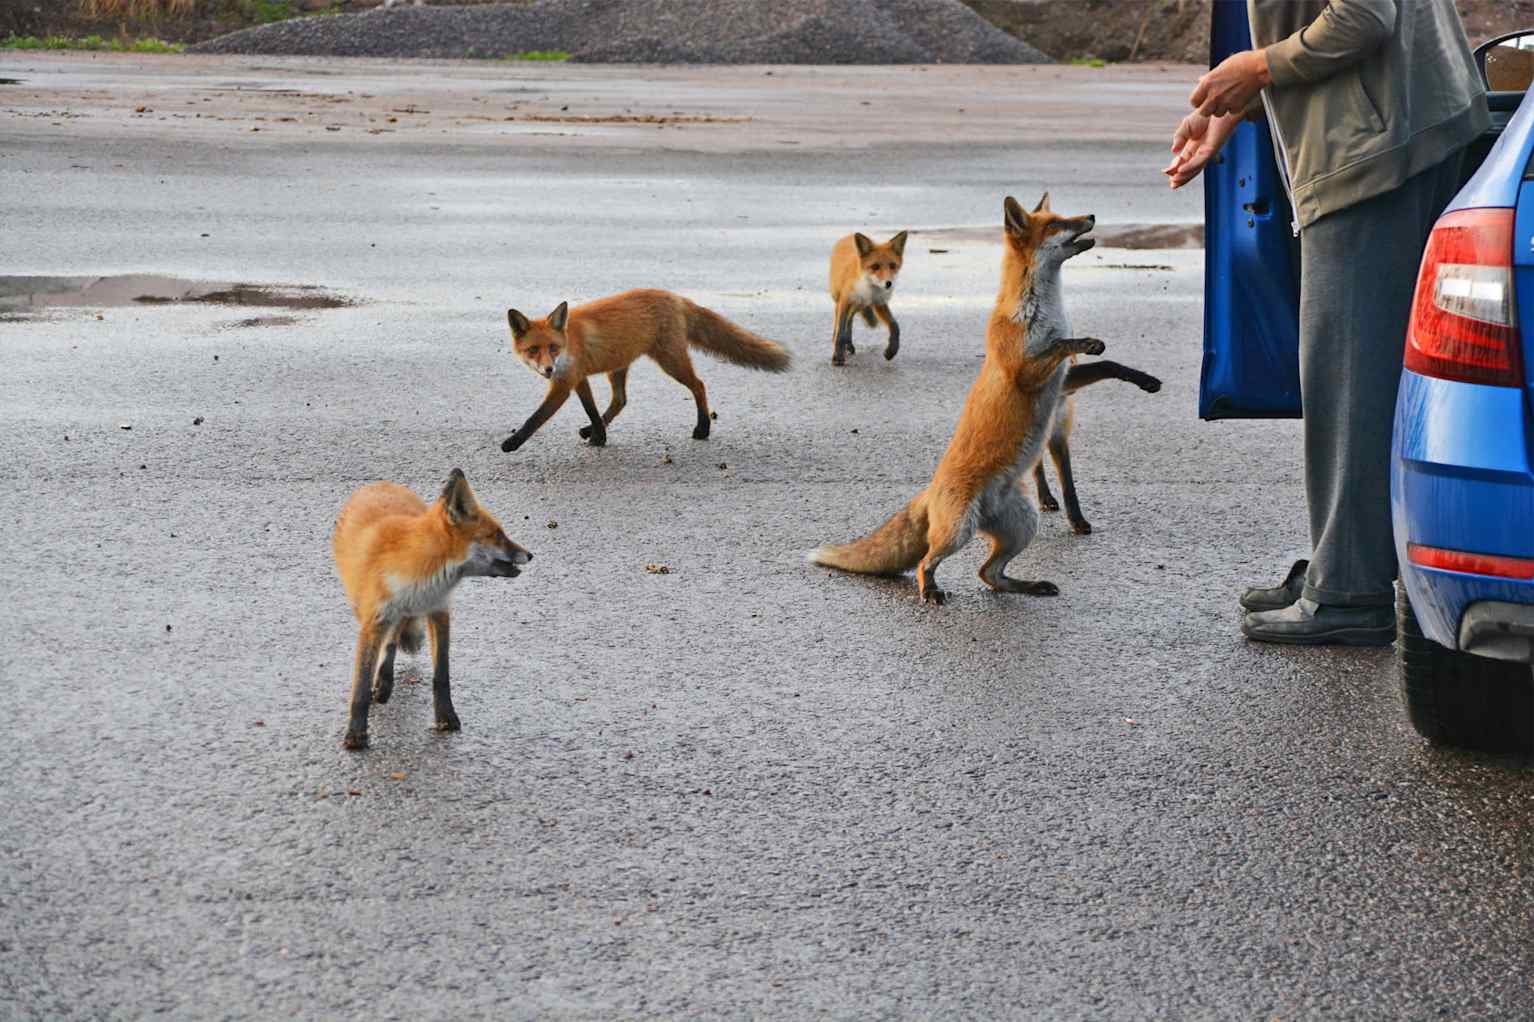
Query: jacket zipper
1283,161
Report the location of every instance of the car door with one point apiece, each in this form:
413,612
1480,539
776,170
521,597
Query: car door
1251,265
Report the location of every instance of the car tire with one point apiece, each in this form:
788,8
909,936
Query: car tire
1458,699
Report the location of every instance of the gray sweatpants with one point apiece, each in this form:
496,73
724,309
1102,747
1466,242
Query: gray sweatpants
1358,269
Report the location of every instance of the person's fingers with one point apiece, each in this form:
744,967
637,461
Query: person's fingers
1200,93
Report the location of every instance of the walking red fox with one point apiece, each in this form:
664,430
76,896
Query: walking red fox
862,281
399,561
607,335
1007,418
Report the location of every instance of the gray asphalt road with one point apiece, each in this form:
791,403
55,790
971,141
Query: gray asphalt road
744,788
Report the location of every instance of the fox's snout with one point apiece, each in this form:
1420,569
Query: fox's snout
888,284
548,372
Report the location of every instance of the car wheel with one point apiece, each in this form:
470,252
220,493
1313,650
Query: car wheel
1455,698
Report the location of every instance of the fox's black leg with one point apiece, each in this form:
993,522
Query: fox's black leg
441,691
559,392
842,336
1088,373
596,433
383,687
867,313
362,687
1047,501
1060,453
619,379
893,347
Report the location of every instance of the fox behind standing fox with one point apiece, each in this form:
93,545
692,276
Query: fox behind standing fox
863,275
1007,419
607,335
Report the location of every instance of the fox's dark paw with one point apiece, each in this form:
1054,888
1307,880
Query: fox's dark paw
585,432
1092,346
934,595
1047,502
595,440
1081,526
1039,589
700,431
1149,384
447,722
891,350
355,740
838,360
382,692
851,348
511,443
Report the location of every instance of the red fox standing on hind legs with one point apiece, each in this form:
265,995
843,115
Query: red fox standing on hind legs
1008,418
607,335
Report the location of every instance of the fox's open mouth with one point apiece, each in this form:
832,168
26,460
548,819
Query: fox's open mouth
504,569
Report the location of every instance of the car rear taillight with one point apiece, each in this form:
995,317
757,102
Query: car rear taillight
1464,325
1474,564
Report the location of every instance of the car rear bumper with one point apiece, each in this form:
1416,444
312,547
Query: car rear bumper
1461,480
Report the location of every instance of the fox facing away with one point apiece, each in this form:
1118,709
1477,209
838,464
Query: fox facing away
399,561
862,282
1007,419
607,335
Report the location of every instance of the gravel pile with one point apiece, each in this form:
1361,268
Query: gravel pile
655,31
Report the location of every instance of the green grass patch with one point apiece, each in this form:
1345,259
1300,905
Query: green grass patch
1088,62
90,42
550,56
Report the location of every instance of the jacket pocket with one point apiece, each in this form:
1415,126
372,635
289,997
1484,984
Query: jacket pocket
1352,126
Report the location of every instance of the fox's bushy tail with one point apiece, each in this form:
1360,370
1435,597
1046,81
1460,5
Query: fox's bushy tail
716,335
897,545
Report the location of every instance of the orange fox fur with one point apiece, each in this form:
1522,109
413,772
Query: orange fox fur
399,561
607,335
862,281
1007,418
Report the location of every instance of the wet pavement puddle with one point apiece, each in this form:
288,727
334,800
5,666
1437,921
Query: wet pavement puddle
22,294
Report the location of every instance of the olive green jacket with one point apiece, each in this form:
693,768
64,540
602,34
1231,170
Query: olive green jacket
1365,94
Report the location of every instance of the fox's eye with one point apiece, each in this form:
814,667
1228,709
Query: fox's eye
532,352
874,267
553,352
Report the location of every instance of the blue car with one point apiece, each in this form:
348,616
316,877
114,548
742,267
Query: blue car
1462,474
1462,466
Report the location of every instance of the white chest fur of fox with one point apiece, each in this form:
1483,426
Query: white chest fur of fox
868,291
418,597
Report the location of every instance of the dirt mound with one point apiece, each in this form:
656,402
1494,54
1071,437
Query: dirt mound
655,31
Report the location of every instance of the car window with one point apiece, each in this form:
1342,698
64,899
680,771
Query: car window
1510,64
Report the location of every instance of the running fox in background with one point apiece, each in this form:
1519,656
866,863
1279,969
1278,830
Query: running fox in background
400,561
607,335
862,281
1007,419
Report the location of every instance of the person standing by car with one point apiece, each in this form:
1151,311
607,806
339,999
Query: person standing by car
1370,104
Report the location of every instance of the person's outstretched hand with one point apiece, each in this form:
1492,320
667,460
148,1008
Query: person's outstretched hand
1195,142
1231,84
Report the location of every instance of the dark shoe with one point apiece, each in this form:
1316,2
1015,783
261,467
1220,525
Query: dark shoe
1308,623
1281,595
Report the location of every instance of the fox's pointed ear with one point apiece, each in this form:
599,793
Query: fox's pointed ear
519,323
1043,206
898,244
457,499
559,316
1013,218
864,243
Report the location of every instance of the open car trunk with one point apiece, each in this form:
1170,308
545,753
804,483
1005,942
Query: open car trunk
1252,260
